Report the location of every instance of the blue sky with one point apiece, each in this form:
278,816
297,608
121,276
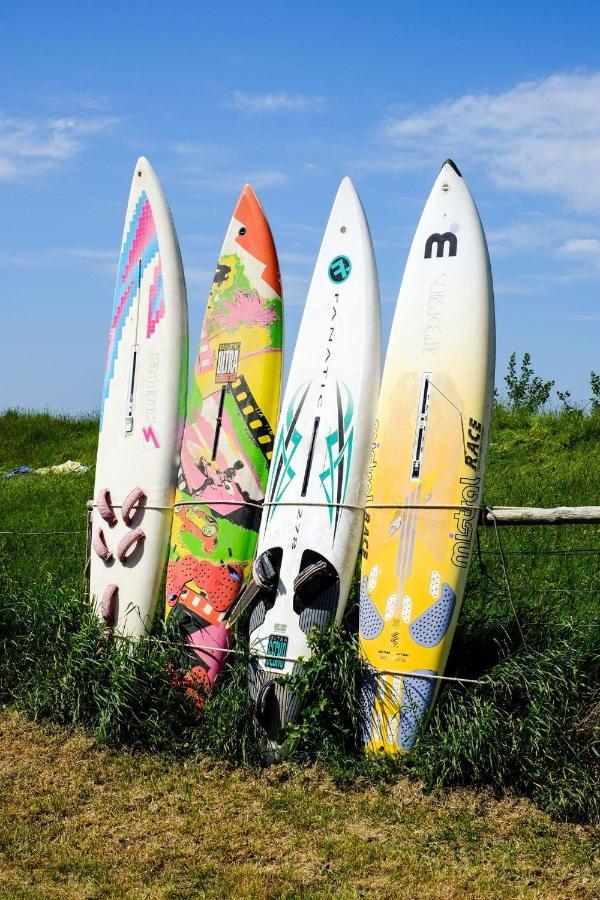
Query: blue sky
291,97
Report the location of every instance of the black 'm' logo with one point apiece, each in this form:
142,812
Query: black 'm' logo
440,241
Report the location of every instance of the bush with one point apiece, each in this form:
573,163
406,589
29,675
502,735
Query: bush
526,390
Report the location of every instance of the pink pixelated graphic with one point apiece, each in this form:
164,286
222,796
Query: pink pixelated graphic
144,232
246,308
113,325
155,312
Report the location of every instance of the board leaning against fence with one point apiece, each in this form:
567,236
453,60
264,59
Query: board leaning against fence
427,464
141,415
311,527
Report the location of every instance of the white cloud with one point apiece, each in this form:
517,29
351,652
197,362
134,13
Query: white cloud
589,247
279,102
31,146
212,167
535,231
101,261
262,178
585,252
520,286
294,287
540,136
221,181
295,258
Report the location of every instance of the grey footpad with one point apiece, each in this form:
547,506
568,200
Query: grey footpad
370,622
417,694
431,626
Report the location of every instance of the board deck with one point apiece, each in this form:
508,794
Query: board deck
311,527
141,416
428,465
227,444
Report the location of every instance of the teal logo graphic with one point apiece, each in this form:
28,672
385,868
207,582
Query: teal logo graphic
288,440
339,442
276,652
339,269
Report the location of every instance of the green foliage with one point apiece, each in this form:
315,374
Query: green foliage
526,390
226,729
595,386
531,725
54,664
565,399
328,689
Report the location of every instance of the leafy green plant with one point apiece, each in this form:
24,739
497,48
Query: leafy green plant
565,399
595,386
533,723
525,389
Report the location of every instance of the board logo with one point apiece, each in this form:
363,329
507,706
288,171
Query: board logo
473,445
339,269
440,241
150,438
228,360
276,651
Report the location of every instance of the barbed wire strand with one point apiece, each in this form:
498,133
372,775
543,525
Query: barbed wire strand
45,533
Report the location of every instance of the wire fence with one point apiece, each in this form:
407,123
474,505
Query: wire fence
544,574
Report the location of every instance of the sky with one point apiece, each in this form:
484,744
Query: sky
292,97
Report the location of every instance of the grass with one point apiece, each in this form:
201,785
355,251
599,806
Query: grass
331,820
39,439
99,823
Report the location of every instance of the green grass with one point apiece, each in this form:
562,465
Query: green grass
39,439
531,725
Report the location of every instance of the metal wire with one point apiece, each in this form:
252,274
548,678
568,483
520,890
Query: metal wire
29,533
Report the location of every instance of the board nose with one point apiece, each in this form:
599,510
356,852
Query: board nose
248,207
452,164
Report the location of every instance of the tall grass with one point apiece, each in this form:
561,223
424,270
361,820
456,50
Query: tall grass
532,724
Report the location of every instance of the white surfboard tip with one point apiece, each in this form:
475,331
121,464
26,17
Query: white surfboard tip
347,198
143,166
449,181
347,187
145,177
450,162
